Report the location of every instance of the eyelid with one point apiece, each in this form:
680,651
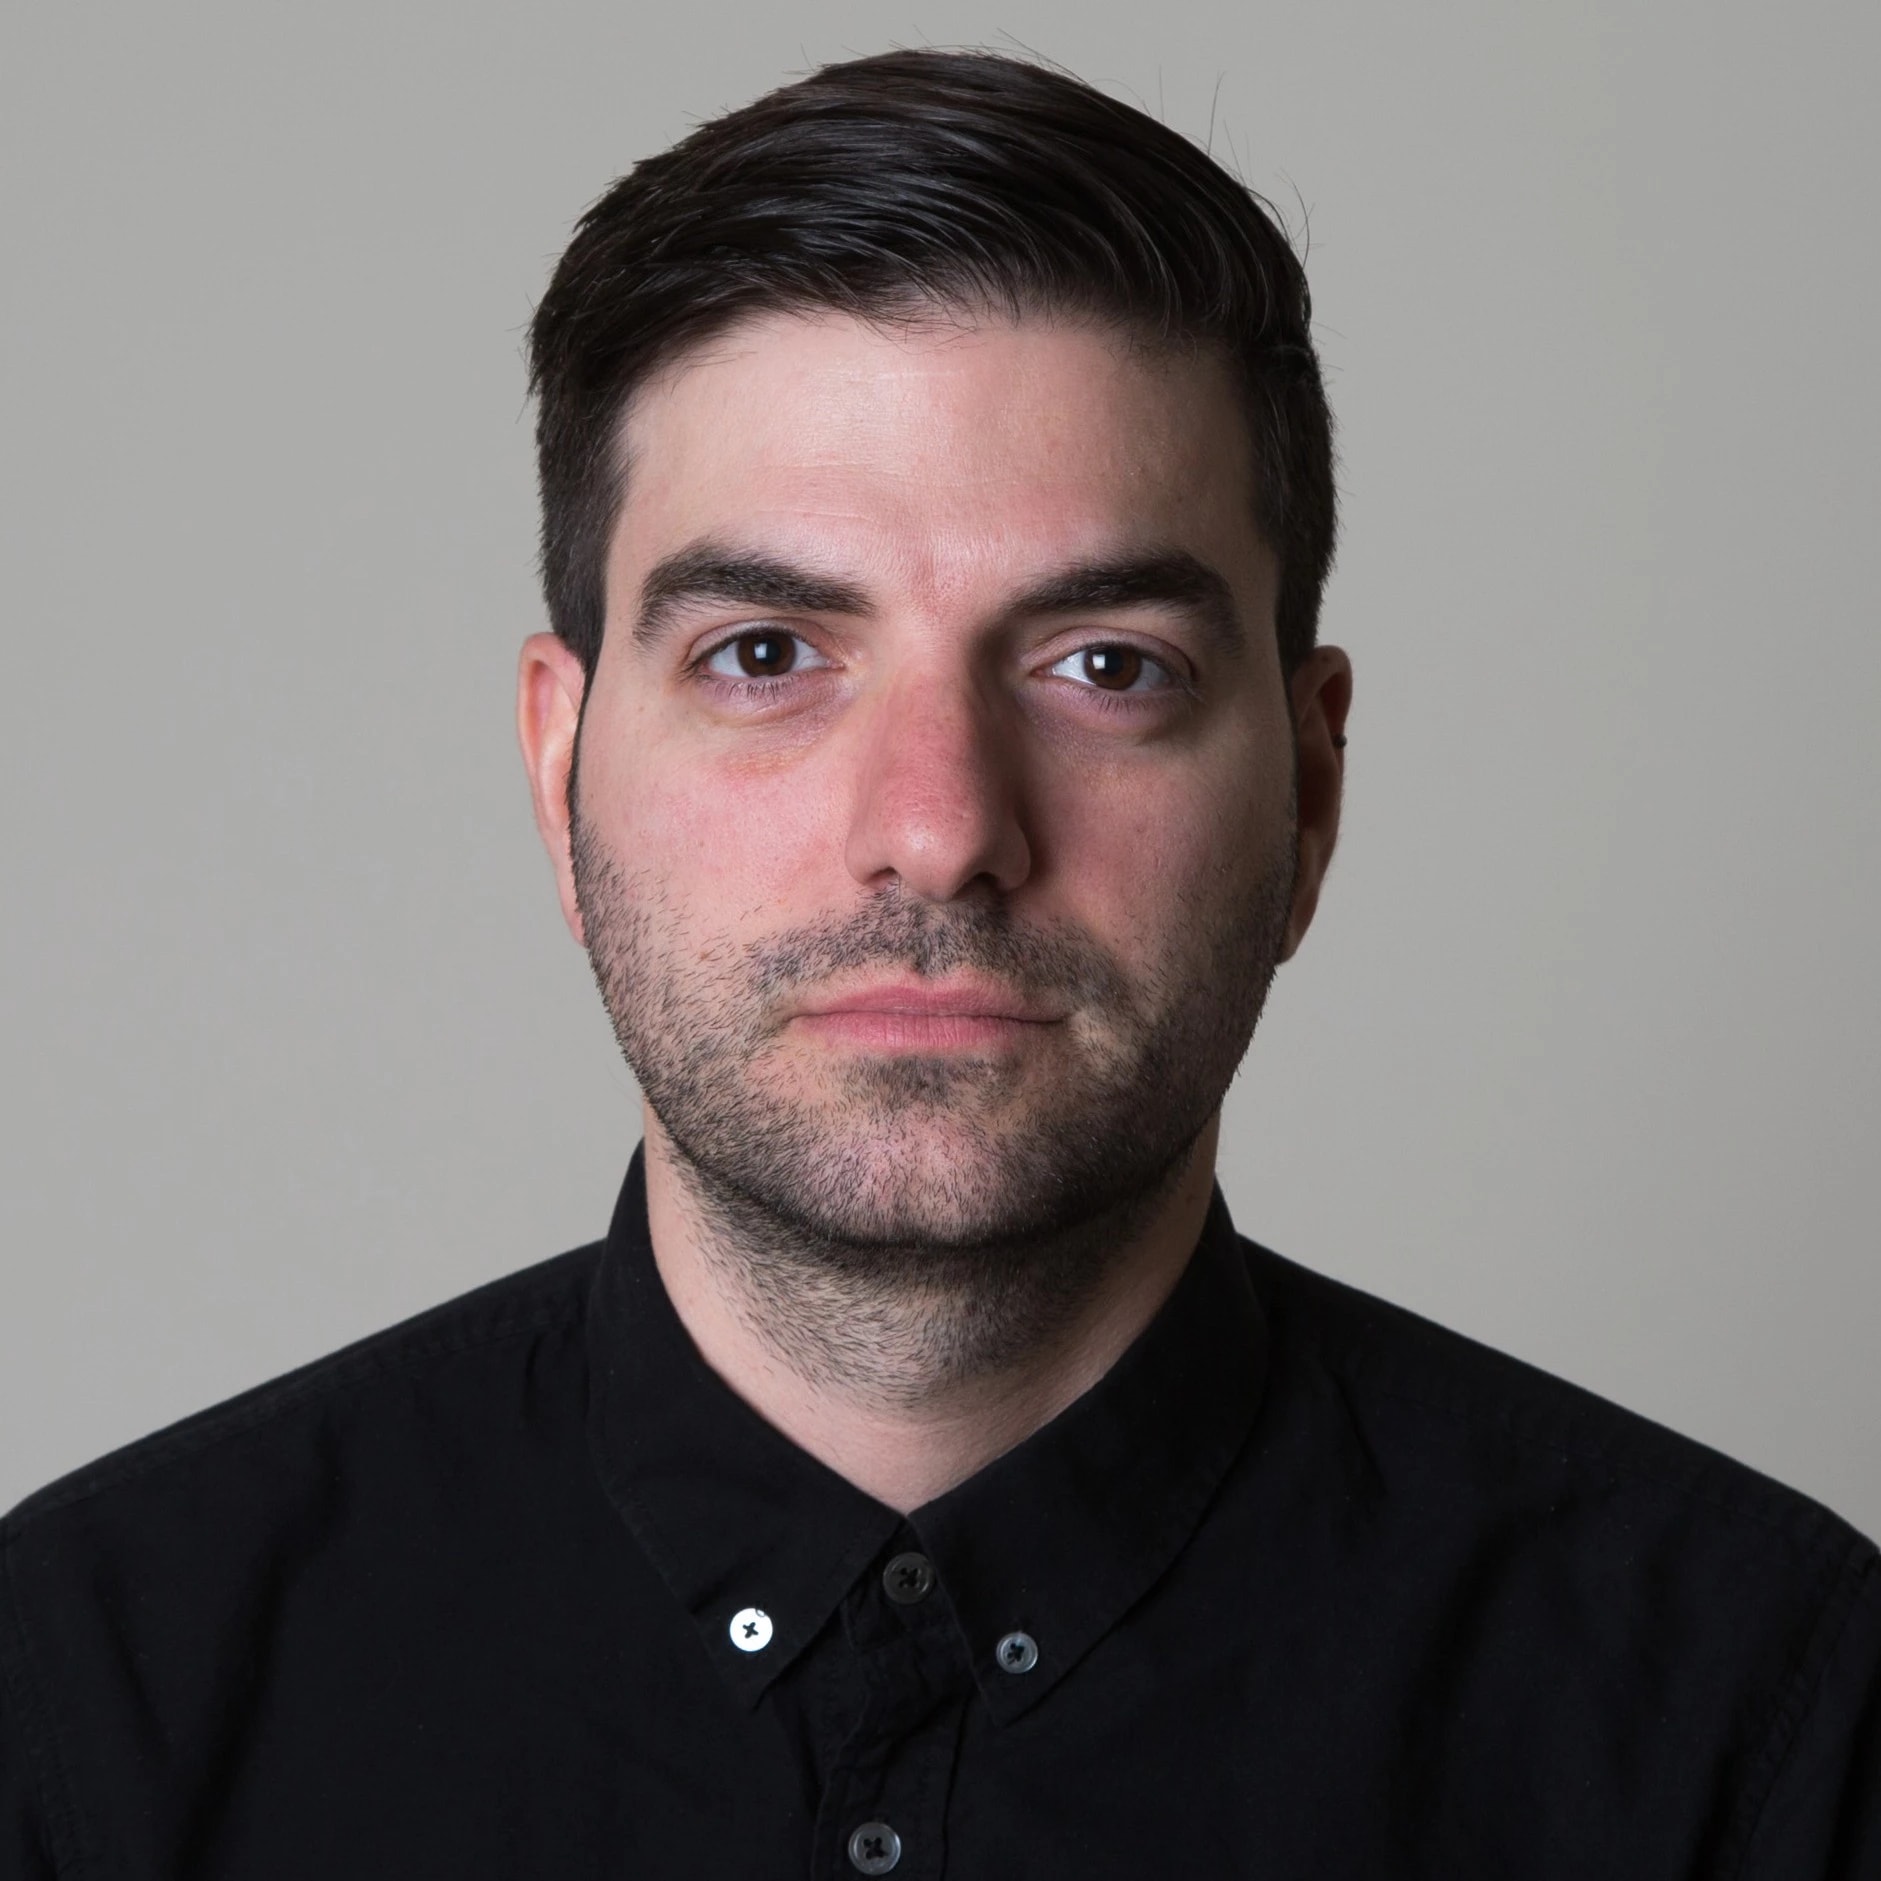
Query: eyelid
1169,663
702,660
1152,645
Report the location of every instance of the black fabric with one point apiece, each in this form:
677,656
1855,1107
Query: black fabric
1315,1589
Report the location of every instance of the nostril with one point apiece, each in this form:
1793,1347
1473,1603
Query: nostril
937,806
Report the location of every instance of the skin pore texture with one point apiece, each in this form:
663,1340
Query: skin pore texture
939,815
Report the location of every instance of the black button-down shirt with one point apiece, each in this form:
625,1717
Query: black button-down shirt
1305,1587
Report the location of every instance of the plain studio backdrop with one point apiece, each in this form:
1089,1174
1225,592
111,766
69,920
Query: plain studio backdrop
1581,1055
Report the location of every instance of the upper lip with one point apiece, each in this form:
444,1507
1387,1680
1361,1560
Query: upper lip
955,998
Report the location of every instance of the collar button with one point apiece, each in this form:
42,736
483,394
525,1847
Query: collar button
750,1629
1016,1653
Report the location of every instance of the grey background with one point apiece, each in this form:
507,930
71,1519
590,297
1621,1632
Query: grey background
1581,1057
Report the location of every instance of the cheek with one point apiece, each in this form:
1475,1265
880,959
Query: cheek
727,841
1148,858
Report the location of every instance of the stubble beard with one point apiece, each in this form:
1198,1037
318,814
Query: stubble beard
910,1222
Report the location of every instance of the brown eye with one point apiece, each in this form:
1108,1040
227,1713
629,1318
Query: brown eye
1116,669
765,655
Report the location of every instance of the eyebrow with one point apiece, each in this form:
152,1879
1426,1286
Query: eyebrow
1168,578
725,575
714,572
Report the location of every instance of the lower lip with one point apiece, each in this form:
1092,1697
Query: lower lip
919,1031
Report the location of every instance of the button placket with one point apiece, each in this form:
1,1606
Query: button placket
889,1777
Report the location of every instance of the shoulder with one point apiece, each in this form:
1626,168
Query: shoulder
1486,1419
451,1348
1538,1545
1492,1422
328,1520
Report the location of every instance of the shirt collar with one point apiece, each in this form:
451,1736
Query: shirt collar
1056,1539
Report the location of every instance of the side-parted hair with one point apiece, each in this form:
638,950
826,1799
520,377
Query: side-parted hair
912,183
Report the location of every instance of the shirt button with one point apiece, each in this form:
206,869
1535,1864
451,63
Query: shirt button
874,1848
908,1578
751,1629
1017,1652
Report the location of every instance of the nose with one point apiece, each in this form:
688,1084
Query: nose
937,794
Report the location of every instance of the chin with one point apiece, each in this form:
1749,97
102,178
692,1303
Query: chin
924,1179
914,1180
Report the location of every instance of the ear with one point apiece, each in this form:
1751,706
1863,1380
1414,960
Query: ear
550,685
1320,696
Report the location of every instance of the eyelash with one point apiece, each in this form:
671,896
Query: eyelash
1107,701
1120,700
747,688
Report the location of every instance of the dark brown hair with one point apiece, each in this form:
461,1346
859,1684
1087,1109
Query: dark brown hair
925,180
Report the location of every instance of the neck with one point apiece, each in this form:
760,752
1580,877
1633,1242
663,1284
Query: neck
907,1390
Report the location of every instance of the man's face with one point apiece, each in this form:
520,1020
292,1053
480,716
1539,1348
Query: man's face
936,832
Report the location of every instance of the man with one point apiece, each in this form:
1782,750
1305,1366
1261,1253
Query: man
937,760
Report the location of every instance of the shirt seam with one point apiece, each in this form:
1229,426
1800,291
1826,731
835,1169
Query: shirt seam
1801,1531
1807,1526
50,1771
1794,1703
325,1377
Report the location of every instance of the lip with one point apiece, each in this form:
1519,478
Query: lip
925,1016
926,999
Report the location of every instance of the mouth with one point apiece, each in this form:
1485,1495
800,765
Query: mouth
927,1016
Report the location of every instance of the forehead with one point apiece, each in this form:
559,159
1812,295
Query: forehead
939,454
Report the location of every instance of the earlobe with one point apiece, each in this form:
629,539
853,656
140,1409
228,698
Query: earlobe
550,686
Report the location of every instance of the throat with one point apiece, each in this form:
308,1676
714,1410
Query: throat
908,1367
